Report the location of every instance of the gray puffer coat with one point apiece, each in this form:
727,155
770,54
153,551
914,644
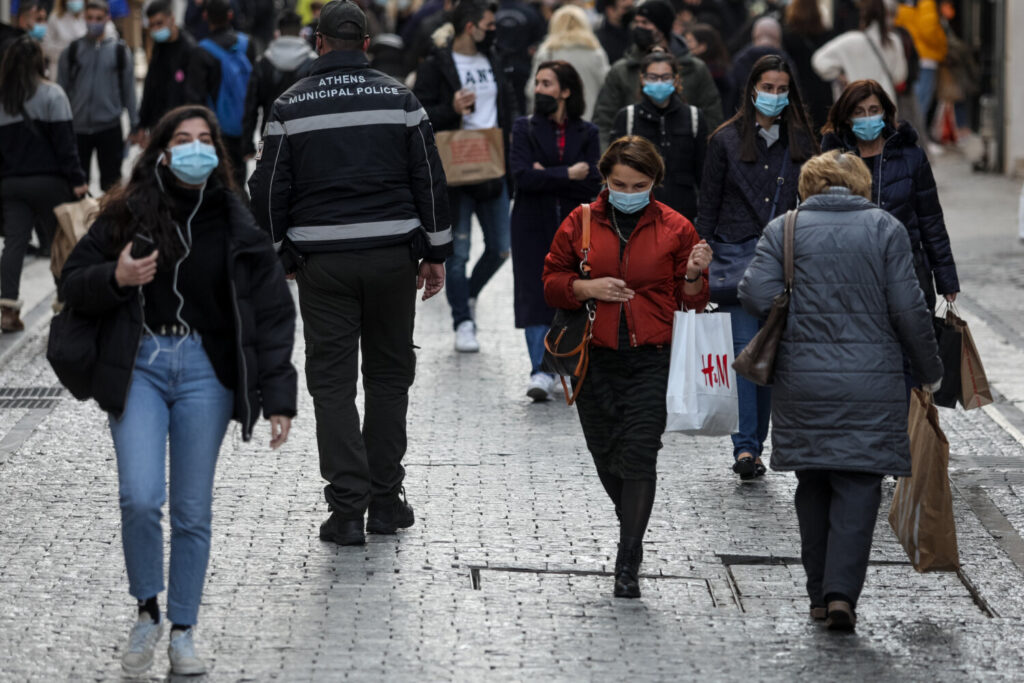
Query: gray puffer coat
839,398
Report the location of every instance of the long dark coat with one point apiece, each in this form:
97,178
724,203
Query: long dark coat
839,398
543,199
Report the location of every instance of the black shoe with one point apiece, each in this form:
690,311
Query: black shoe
627,570
841,616
389,516
746,468
343,531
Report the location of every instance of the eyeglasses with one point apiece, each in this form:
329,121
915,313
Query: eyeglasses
654,78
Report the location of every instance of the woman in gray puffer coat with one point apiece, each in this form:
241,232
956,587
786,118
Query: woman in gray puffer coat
839,407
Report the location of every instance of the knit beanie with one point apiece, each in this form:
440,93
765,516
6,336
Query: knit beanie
659,13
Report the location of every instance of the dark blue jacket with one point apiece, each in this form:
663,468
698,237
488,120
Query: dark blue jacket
736,196
543,200
903,184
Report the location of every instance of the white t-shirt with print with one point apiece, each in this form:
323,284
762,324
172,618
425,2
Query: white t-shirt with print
475,74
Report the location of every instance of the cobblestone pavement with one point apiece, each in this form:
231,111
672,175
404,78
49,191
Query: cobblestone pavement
505,574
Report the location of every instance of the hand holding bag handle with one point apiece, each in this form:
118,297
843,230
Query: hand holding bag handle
757,361
567,343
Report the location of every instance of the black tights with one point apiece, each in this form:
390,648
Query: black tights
633,499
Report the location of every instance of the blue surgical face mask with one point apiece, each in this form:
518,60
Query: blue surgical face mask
75,6
193,162
38,31
660,91
868,128
161,35
771,104
95,28
629,202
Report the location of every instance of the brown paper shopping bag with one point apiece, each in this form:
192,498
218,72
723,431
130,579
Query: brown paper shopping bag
922,507
471,156
976,392
73,221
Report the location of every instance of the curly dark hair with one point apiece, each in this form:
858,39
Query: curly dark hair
142,205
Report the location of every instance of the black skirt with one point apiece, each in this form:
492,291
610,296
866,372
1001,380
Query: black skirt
622,409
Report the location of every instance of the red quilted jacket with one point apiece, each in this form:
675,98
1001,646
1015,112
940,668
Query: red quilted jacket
653,265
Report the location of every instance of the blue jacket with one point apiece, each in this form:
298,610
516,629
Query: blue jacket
543,200
903,185
839,396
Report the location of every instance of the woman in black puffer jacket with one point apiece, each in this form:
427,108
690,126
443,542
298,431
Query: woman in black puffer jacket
863,121
676,128
195,326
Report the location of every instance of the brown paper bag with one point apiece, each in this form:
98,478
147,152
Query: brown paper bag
976,392
471,156
922,507
73,221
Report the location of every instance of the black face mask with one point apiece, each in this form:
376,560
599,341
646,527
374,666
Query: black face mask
643,37
487,43
544,105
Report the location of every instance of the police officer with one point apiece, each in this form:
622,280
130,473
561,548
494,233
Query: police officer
350,186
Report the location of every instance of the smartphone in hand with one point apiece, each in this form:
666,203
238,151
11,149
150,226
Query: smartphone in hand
142,245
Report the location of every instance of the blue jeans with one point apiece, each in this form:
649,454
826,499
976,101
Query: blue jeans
535,344
494,222
924,91
177,395
755,401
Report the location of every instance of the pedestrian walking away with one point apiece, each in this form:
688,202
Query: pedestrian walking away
676,128
98,74
554,164
863,121
838,411
646,262
351,189
39,166
462,86
195,327
750,176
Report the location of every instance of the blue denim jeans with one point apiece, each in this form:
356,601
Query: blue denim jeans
535,344
177,395
755,401
494,222
924,91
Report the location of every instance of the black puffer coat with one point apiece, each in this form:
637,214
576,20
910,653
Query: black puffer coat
264,318
903,185
736,196
839,397
681,146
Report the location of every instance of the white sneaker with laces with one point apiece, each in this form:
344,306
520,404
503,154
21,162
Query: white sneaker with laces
182,653
540,387
142,640
465,337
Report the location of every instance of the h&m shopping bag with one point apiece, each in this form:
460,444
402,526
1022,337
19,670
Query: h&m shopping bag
701,397
922,507
471,156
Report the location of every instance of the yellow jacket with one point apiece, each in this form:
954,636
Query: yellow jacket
925,28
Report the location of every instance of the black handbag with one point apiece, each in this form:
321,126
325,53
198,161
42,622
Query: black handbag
951,344
730,259
567,343
73,349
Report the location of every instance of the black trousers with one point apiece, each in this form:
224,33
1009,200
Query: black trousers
366,296
622,409
109,147
837,512
27,201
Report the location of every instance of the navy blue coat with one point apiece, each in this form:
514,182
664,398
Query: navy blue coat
543,199
736,196
903,184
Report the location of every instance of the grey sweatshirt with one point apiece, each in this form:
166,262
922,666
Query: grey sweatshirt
94,90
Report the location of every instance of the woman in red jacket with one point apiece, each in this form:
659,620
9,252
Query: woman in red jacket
646,263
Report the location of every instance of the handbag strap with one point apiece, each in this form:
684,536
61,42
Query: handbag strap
585,244
788,238
881,60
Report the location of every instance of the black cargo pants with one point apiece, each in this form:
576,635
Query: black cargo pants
345,298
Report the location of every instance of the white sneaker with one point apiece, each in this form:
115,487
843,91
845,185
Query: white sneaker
142,640
465,337
540,387
182,653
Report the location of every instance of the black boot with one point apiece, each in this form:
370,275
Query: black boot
627,569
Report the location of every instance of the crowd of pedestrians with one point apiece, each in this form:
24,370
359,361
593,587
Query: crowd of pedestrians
661,142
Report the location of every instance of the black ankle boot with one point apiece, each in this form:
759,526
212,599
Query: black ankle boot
627,569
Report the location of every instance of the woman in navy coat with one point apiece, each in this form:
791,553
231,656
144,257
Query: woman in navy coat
554,156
